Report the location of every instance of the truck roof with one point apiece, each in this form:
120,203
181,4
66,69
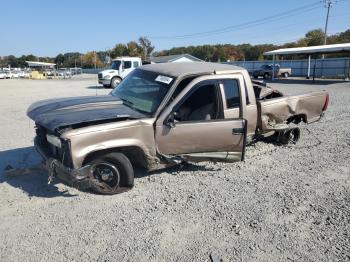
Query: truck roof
177,69
126,58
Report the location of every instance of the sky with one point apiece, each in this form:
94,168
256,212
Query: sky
47,28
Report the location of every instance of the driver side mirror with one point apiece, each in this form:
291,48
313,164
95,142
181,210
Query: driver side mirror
170,121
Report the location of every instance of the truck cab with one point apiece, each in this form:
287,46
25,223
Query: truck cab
120,68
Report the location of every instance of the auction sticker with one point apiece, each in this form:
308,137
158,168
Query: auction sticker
164,79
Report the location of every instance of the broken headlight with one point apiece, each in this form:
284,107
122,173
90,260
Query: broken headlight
54,140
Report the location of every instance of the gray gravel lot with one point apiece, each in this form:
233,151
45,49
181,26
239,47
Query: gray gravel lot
281,204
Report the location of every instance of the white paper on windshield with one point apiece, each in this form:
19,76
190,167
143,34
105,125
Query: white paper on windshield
164,79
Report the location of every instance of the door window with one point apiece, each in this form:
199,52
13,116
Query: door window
202,104
127,64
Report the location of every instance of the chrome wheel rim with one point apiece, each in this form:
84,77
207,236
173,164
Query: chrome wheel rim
106,173
116,82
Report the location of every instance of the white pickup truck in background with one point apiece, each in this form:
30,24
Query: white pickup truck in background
121,67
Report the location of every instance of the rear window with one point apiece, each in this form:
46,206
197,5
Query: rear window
231,88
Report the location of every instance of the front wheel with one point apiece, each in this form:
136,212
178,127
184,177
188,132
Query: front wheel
111,173
115,82
266,75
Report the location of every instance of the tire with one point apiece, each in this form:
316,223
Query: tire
115,82
290,136
266,75
112,173
106,86
286,75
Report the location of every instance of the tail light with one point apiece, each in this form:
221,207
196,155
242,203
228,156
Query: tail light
326,103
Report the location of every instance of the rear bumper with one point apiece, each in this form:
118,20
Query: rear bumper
79,178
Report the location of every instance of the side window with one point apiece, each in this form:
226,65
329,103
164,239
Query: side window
135,64
127,64
231,87
181,86
201,104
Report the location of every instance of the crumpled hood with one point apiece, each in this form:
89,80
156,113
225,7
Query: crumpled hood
55,113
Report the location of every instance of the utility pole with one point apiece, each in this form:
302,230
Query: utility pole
328,5
95,59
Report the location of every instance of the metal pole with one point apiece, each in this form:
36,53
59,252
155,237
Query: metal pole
313,78
273,67
309,67
95,59
328,4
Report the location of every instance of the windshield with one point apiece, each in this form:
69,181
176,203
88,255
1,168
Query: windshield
143,90
116,64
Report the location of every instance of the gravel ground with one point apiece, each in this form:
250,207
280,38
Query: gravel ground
282,203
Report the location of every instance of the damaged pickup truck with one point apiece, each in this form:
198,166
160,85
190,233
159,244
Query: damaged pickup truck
162,115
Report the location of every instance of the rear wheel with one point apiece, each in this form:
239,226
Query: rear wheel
111,173
266,75
290,136
115,82
286,75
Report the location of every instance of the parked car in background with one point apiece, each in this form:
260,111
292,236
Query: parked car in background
64,73
49,73
76,70
8,73
121,67
2,75
21,74
14,74
266,71
162,115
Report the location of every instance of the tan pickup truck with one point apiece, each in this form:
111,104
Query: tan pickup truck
162,115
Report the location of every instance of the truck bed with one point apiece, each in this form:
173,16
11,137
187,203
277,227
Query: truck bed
275,109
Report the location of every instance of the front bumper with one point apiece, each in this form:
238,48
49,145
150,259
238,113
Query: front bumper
104,81
79,178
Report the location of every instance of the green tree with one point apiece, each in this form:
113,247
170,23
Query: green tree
314,37
59,60
146,46
119,50
91,59
134,49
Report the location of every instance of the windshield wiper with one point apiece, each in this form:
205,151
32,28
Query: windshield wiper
132,105
127,102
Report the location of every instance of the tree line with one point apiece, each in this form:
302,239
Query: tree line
248,52
143,48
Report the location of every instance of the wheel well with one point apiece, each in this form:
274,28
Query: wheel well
117,77
297,119
135,154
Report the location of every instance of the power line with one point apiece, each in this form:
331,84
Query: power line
289,13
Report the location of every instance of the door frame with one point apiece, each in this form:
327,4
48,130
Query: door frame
161,122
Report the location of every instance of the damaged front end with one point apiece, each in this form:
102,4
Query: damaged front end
56,154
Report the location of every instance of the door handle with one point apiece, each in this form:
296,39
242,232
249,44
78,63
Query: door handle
237,131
